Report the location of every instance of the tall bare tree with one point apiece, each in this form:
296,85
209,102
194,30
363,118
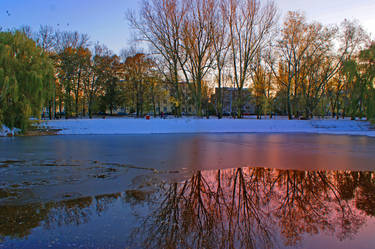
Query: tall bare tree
250,26
292,47
197,43
46,38
160,23
221,46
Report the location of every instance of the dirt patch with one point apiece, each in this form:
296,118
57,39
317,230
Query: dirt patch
136,195
4,193
40,132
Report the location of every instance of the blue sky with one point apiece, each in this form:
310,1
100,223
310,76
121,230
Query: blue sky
104,20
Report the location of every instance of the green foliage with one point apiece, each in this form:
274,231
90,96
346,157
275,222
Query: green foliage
367,58
370,112
360,84
26,79
109,68
111,97
73,64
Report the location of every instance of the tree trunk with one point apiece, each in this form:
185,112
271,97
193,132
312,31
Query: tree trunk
77,93
68,103
219,105
50,109
199,98
289,104
239,103
154,104
177,89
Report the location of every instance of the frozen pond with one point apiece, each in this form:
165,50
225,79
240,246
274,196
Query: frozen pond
187,191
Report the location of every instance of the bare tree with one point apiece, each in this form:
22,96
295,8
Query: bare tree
197,43
221,48
262,85
293,45
46,38
160,23
250,25
70,39
27,30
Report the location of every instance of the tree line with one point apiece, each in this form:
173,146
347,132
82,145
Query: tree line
296,68
58,74
91,78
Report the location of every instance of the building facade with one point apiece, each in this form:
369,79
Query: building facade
230,99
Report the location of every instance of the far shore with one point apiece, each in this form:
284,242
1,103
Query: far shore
126,125
118,126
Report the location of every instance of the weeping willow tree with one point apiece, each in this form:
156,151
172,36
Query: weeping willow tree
26,79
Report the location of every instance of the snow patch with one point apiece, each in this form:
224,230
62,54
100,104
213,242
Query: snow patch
195,125
5,131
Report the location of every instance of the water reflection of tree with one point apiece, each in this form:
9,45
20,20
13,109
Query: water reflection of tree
69,212
236,208
365,198
210,210
17,221
310,202
245,208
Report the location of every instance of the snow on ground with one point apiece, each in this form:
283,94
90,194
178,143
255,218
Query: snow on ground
212,125
5,131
